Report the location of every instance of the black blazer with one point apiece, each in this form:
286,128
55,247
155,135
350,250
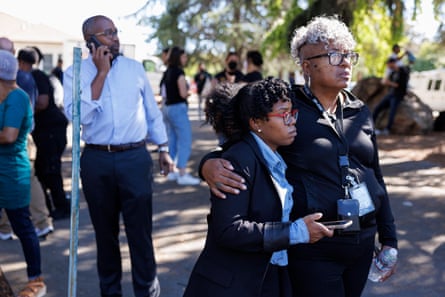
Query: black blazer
243,231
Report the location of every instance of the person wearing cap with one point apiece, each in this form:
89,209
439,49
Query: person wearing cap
15,168
397,82
39,212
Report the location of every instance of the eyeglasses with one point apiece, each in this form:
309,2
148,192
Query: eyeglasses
336,58
109,33
287,116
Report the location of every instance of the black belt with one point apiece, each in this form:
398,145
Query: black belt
116,148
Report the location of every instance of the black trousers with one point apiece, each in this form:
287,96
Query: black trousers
390,101
50,145
334,267
276,282
113,184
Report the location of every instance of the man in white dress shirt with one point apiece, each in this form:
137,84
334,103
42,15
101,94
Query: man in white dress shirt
118,115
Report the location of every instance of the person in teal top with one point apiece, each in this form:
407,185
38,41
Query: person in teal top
15,170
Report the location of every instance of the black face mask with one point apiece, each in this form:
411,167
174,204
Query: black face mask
232,65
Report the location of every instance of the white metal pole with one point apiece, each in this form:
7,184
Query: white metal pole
74,219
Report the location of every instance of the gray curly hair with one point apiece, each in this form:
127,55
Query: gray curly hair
322,29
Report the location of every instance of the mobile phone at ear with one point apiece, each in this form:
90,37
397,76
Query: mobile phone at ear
93,40
340,224
96,42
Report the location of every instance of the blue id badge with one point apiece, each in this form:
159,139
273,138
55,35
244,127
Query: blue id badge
360,193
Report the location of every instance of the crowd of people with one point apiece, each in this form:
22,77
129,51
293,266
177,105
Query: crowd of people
292,157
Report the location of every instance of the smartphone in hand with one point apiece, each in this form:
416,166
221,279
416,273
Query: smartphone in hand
93,40
340,224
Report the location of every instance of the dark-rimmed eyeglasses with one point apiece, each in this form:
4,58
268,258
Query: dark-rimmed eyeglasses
109,33
287,116
336,58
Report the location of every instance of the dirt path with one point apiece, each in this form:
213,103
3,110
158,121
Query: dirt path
430,147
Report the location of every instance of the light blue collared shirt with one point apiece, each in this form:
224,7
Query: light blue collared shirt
277,168
126,110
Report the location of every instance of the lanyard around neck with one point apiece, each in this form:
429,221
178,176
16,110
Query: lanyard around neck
338,127
343,159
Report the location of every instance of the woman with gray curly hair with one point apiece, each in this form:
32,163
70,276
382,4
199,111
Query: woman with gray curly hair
346,182
334,158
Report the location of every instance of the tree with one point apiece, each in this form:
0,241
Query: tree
209,28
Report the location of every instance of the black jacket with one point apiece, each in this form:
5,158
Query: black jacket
314,171
243,231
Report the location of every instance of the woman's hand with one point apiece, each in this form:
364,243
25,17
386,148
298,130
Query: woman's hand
316,230
392,271
219,175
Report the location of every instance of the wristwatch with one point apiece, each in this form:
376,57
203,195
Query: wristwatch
163,148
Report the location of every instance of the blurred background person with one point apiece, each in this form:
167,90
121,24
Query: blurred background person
254,63
58,70
397,83
175,111
203,81
231,72
49,136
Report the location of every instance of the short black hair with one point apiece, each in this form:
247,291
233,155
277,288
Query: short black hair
27,55
395,46
391,60
255,57
232,53
39,53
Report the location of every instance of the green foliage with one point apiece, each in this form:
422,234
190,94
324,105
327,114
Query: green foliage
207,29
372,32
430,56
277,40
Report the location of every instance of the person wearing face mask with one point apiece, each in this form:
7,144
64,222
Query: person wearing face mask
231,73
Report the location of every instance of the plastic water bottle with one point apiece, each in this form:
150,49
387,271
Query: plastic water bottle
382,263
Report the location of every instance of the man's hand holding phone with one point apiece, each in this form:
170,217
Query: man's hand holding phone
102,57
100,53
